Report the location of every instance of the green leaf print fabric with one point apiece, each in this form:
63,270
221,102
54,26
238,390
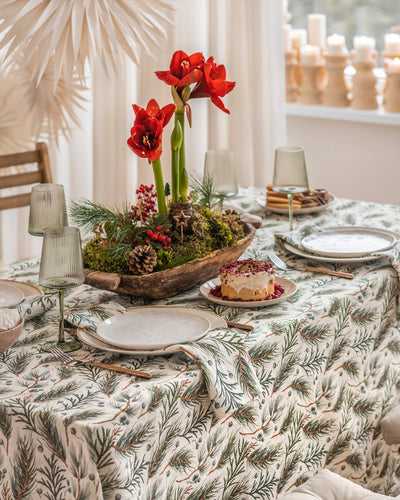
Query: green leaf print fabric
238,415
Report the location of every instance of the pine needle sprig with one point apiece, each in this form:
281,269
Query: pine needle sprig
204,187
53,476
25,467
117,222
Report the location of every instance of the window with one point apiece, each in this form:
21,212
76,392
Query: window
351,17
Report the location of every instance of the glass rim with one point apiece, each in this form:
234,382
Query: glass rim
289,149
61,230
44,185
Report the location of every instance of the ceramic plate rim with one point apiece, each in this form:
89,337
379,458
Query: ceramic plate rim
215,320
321,258
23,285
348,229
297,211
205,291
19,292
140,346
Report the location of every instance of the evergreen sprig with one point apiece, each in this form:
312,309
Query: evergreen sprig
205,190
89,214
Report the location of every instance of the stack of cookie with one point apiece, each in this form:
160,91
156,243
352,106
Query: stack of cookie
308,199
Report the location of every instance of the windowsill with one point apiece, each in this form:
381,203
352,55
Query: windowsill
374,116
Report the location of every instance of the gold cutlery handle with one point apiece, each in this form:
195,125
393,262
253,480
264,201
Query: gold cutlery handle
329,271
241,326
120,369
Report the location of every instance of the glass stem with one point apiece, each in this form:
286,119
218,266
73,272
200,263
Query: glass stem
221,203
290,198
61,338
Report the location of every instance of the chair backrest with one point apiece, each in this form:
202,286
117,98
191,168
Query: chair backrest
42,174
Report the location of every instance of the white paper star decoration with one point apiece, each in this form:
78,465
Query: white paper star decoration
66,33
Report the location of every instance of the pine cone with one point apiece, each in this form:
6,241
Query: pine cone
142,259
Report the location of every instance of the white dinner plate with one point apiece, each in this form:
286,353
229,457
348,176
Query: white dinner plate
288,286
93,341
297,211
10,295
333,260
154,327
349,241
28,289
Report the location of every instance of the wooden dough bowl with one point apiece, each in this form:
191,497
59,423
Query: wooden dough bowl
163,284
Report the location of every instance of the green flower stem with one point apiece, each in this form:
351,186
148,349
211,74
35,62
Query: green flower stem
176,142
158,177
183,176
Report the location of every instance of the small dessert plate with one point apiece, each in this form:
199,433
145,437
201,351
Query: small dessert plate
10,295
289,288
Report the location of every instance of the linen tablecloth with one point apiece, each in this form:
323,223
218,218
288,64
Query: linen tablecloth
327,362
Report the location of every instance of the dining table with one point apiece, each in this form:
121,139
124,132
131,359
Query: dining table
237,414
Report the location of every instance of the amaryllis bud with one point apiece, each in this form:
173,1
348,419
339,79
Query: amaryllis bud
176,137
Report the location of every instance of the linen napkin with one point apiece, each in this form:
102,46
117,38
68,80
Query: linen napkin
30,307
220,355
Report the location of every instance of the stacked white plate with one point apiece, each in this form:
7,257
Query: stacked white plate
151,330
347,244
12,292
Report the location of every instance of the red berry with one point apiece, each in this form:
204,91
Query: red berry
149,232
154,237
158,228
166,231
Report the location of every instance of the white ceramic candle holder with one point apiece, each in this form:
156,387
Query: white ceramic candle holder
336,91
364,84
291,69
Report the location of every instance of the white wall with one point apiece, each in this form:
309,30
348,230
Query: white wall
351,160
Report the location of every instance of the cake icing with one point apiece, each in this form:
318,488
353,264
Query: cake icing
247,280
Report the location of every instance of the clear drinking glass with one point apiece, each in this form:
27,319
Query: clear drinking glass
290,174
219,165
47,209
61,267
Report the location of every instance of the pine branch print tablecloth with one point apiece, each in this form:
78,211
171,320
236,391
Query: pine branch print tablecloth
326,364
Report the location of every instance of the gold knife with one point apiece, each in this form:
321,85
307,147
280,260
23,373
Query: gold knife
120,369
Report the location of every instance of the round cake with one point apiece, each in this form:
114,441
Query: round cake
247,280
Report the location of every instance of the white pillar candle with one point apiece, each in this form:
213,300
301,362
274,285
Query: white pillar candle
392,43
393,65
364,47
299,38
287,39
310,55
316,29
336,45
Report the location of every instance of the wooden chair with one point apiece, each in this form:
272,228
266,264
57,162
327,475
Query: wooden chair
42,174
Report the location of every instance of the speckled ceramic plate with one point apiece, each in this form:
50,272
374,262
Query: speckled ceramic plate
10,295
288,286
154,327
28,289
91,340
349,241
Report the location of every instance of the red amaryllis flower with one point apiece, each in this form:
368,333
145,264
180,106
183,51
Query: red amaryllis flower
146,133
213,84
183,69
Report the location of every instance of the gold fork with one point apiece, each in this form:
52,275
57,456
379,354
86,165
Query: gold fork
69,360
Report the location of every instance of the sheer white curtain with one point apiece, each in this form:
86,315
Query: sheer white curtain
245,36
